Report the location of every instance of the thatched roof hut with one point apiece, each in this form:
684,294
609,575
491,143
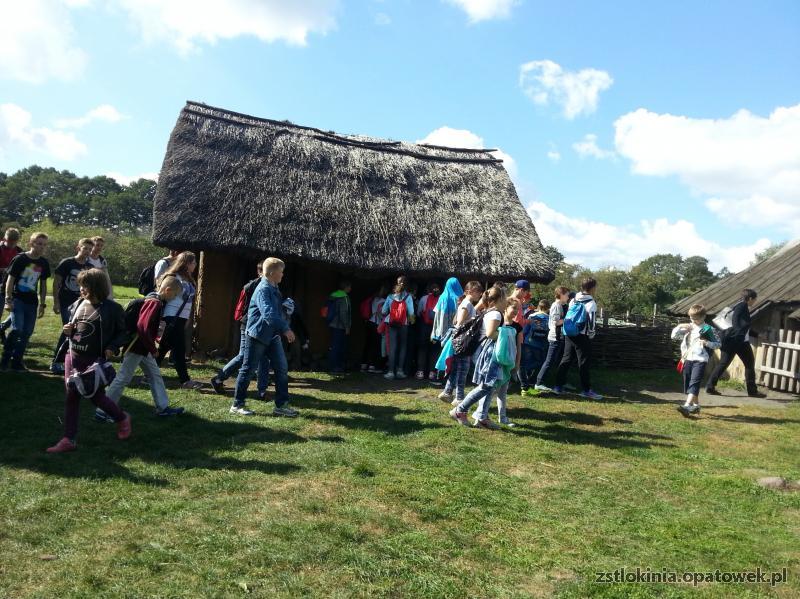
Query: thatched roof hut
238,188
236,183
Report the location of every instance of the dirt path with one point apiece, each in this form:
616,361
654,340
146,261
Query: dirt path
729,398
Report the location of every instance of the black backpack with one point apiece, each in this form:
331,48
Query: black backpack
132,311
147,280
467,336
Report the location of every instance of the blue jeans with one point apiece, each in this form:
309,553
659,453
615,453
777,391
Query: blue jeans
477,394
256,350
23,321
235,364
62,338
693,376
458,377
554,352
337,354
532,358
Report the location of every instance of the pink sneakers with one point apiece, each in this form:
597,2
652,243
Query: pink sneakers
124,427
63,446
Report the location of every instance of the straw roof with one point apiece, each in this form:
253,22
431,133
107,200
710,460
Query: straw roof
232,182
776,280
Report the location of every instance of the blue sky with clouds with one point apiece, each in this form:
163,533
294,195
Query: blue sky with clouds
629,128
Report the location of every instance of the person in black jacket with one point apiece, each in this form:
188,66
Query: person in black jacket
736,342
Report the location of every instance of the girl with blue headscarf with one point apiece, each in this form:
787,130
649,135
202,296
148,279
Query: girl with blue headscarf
445,310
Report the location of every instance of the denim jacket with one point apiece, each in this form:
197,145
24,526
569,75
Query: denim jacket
265,317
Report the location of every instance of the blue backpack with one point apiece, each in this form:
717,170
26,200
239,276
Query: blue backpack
575,319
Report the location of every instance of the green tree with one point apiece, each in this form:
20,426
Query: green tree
767,253
695,274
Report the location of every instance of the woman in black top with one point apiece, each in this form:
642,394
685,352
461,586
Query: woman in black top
736,342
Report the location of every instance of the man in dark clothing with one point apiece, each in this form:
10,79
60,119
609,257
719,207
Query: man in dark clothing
736,342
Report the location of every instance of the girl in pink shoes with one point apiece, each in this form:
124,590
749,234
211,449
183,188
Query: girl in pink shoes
96,329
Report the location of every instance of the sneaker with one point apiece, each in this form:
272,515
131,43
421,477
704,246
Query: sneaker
171,412
62,446
445,396
373,370
557,390
364,368
389,376
218,386
694,408
757,395
486,423
124,427
101,416
713,391
57,368
241,411
419,375
262,396
432,376
523,392
285,411
685,410
401,375
455,402
543,388
193,385
591,395
460,417
508,423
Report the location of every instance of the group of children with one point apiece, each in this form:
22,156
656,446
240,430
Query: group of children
494,334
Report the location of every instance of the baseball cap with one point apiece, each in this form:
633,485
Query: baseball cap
523,284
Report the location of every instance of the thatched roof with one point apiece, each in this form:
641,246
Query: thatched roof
256,186
776,280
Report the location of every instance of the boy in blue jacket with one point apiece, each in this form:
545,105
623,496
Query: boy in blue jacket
265,325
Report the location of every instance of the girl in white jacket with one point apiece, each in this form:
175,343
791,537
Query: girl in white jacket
697,338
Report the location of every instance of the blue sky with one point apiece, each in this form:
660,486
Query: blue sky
629,128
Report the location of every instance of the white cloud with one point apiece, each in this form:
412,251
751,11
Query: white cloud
126,180
383,19
577,92
746,167
188,23
17,134
553,154
37,42
485,10
463,138
588,147
105,113
596,244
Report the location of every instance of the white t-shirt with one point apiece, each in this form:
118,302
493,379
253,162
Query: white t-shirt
467,305
489,317
102,264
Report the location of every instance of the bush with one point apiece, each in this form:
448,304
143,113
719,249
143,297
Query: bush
127,255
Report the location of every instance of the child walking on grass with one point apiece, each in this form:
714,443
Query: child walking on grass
96,329
697,338
459,370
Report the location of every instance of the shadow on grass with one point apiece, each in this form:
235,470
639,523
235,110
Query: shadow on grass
575,417
366,416
30,422
750,419
614,439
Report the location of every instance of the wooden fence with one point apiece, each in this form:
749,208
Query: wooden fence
642,343
778,361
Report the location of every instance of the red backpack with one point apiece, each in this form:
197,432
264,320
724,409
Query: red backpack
398,313
365,308
430,304
241,307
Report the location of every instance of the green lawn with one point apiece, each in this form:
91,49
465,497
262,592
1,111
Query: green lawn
374,492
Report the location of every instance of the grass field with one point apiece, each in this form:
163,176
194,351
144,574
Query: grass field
374,492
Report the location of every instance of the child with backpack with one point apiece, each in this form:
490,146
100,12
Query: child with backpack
96,330
143,321
555,336
232,368
426,347
176,314
453,391
489,372
534,344
579,330
339,319
398,313
444,313
697,338
506,355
